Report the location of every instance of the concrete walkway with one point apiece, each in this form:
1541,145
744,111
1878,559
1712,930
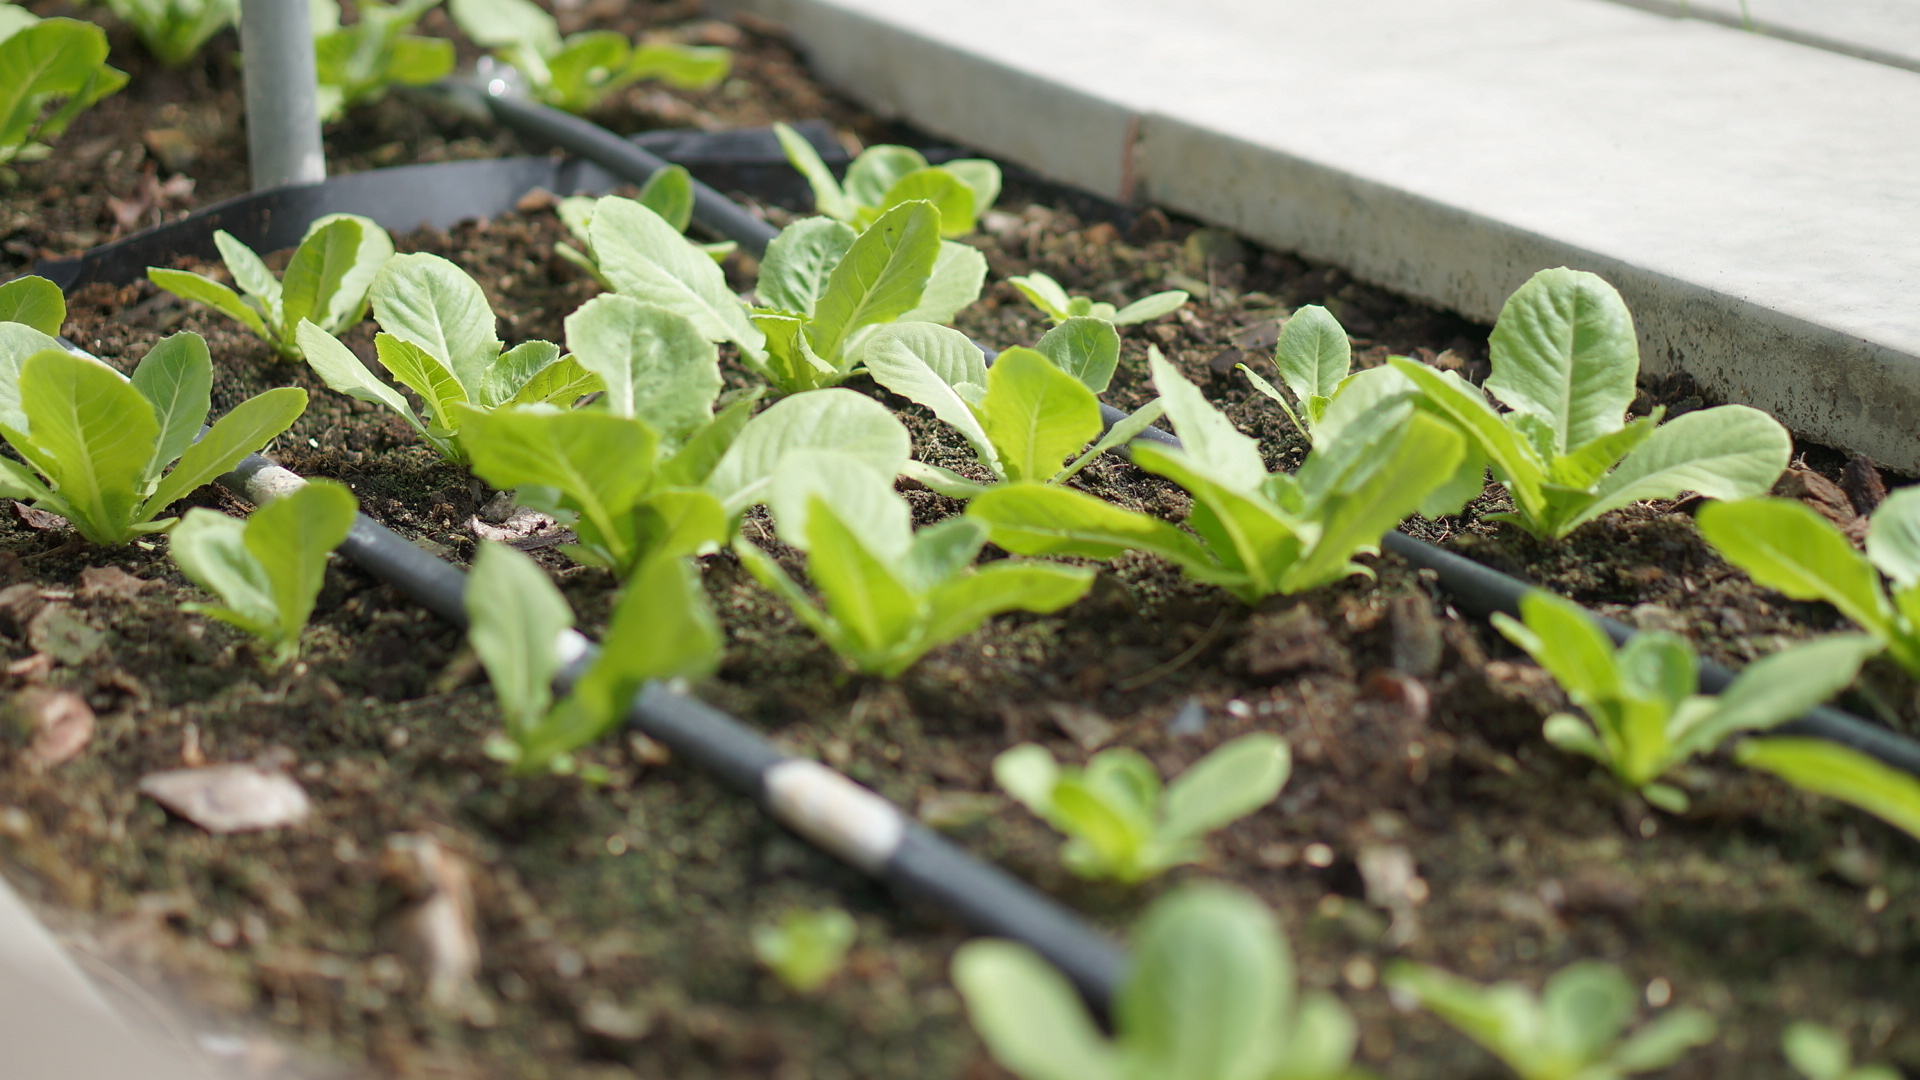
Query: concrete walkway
1884,31
1757,201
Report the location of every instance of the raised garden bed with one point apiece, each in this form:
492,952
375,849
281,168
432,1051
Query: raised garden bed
614,921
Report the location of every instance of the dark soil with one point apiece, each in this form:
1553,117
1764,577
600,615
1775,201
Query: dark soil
614,921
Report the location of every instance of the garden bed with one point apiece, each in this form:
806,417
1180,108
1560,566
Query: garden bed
614,921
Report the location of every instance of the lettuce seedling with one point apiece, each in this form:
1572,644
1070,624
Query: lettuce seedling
174,30
1053,302
1254,533
576,73
890,594
267,571
1643,716
826,290
1821,1053
884,177
438,340
356,64
668,193
33,302
1314,357
1122,825
103,442
805,949
627,470
326,281
1024,415
1570,1031
51,70
1210,993
519,626
1838,772
1564,361
1784,545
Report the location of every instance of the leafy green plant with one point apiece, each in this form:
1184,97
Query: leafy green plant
438,340
267,570
1314,357
518,625
1838,772
1570,1031
51,70
628,470
356,64
1820,1053
1254,533
1784,545
1564,361
889,594
826,290
1024,415
575,73
668,193
1210,993
103,442
1122,824
884,177
1643,716
174,30
1053,302
805,948
326,281
33,302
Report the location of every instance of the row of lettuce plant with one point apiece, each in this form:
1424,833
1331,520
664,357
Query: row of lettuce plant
623,432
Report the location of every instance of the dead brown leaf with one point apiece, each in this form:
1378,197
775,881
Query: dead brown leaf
230,798
111,581
61,723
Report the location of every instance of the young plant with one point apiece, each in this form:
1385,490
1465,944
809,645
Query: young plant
1821,1053
1570,1031
1209,993
356,64
1643,717
438,341
890,594
326,281
267,570
1254,533
1024,415
1784,545
51,70
825,290
1314,358
35,303
668,193
174,30
628,469
1838,772
576,73
1122,825
103,442
1053,302
1564,361
805,949
884,177
519,626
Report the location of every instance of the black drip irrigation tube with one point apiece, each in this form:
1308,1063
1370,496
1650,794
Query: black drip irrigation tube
822,806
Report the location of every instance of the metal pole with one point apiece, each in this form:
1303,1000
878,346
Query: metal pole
283,118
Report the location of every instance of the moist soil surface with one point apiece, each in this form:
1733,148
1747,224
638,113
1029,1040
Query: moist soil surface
613,921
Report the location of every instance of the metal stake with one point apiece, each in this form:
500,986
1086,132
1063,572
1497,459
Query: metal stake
283,118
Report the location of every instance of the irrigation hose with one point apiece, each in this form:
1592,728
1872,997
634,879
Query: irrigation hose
712,211
820,805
